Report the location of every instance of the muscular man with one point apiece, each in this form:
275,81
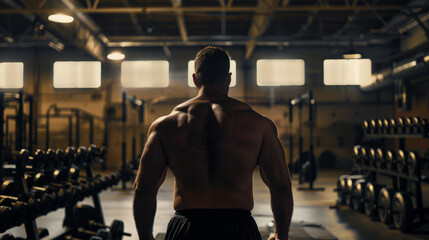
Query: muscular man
212,144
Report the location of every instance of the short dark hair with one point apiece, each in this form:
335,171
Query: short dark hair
212,65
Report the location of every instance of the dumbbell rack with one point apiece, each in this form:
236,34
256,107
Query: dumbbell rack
400,180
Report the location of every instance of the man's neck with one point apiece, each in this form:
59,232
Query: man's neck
212,92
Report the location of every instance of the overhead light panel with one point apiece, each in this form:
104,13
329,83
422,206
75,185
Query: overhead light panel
352,55
116,55
60,18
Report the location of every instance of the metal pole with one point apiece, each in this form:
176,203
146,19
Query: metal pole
30,124
290,137
124,145
310,140
71,130
1,133
20,122
91,130
77,128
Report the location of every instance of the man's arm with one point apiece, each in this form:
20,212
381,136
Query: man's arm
275,173
151,174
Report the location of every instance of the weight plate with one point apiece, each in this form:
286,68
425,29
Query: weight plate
383,205
379,160
390,159
373,126
350,180
356,154
393,126
104,234
357,194
386,126
400,125
402,212
401,160
380,126
412,162
371,158
365,127
363,156
117,229
370,198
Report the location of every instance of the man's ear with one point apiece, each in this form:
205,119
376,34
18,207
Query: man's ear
195,79
228,79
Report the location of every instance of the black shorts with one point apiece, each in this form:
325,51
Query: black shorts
212,224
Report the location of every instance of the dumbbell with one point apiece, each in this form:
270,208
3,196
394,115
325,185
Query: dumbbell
86,234
116,228
365,127
419,125
356,155
364,156
386,126
380,126
370,196
393,126
24,161
401,160
371,157
19,209
379,158
356,202
413,161
341,193
348,185
400,125
384,205
5,213
408,125
403,211
373,129
390,160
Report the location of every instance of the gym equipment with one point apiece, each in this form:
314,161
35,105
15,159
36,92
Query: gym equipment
379,158
414,161
363,156
85,234
371,157
370,198
373,129
341,193
380,126
385,126
308,169
356,202
400,125
128,169
366,127
402,211
116,228
393,127
356,155
349,182
384,205
401,160
390,159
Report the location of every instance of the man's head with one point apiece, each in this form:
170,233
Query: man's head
212,67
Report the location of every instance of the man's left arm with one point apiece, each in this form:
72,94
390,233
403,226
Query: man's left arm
151,174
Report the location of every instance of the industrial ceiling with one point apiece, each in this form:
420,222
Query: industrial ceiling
103,24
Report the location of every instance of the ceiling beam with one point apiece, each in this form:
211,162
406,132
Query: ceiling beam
259,24
77,32
180,20
142,10
134,18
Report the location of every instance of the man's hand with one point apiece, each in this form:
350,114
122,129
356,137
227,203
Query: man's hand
273,236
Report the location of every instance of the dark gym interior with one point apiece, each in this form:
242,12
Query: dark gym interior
346,83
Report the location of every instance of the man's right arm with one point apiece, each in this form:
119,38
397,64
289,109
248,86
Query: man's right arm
275,173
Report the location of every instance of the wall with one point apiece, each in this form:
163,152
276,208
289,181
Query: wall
339,109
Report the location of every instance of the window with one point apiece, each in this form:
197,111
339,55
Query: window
11,75
347,72
82,74
280,72
232,69
144,74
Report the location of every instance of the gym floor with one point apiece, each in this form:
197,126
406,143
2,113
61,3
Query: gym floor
310,206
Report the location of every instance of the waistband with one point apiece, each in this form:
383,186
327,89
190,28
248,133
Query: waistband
223,211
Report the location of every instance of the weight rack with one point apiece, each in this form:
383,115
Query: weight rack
372,163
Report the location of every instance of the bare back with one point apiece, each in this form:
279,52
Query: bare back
212,148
